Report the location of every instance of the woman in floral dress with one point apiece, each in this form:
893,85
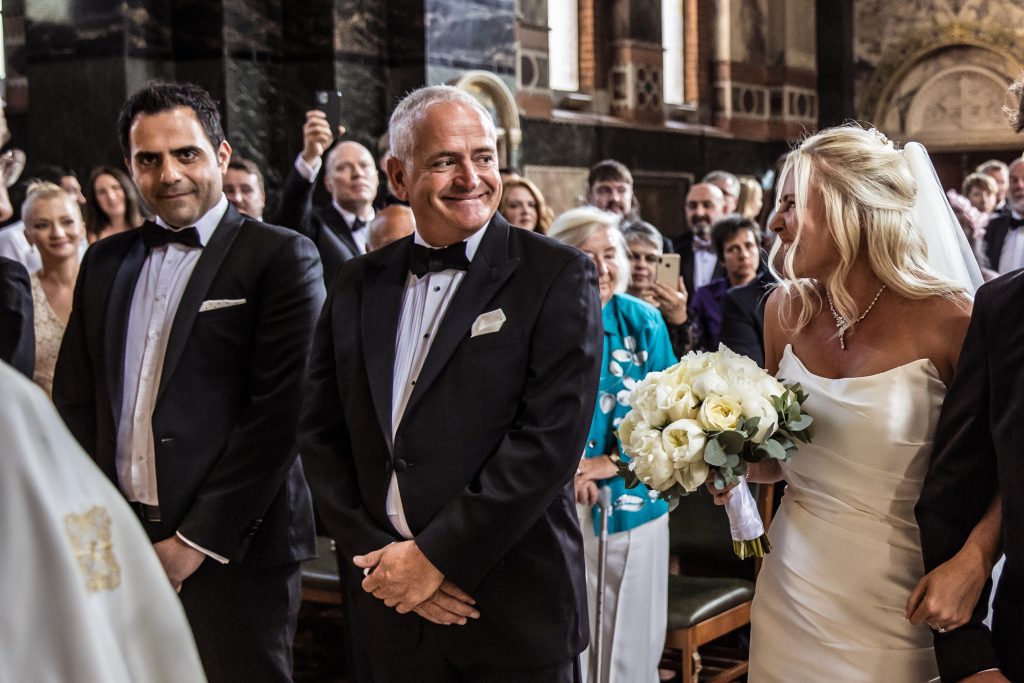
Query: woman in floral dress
636,577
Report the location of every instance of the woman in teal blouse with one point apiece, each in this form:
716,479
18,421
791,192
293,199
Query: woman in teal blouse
636,342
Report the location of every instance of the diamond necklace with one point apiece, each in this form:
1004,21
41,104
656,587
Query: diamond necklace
841,323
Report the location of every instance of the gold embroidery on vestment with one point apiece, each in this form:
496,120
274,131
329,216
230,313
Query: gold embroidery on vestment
90,539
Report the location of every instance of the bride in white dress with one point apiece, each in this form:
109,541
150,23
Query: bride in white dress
872,331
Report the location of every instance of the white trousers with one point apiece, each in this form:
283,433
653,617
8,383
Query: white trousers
635,601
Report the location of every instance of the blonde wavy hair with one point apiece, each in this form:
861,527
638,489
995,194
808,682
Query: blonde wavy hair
867,192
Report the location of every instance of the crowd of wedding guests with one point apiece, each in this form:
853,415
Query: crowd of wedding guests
102,269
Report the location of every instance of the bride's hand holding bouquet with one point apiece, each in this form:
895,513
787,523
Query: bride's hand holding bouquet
706,419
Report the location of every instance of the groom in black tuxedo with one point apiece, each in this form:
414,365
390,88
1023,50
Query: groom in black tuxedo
181,374
452,382
978,455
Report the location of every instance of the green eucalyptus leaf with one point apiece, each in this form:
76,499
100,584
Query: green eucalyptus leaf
773,449
714,454
731,442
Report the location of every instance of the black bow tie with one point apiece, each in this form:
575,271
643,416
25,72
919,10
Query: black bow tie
154,236
423,260
358,224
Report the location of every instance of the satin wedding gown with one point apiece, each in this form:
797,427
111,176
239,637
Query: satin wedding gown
846,547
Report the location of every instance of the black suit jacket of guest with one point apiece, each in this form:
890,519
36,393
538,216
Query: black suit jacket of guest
486,449
743,317
995,236
225,418
324,225
17,320
979,450
684,247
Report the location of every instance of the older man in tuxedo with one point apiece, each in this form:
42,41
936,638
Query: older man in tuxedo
1004,239
977,463
350,176
181,374
451,387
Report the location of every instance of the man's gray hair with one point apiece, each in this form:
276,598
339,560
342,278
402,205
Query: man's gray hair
992,165
415,105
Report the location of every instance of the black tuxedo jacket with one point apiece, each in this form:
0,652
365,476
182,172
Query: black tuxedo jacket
324,225
684,247
743,317
978,451
995,235
17,321
227,407
485,451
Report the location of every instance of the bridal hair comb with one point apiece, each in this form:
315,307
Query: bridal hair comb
881,138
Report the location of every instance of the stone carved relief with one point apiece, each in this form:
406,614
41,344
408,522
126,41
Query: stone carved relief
890,38
878,24
963,100
953,97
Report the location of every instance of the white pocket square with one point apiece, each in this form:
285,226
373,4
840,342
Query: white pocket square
489,322
214,304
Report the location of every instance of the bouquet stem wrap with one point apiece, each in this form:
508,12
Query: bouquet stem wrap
748,537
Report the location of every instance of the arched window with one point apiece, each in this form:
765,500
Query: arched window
672,41
564,45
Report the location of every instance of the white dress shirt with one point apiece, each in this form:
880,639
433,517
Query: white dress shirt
423,306
158,292
704,263
14,245
309,171
1012,255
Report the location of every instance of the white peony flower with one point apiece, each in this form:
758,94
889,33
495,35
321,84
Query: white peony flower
632,430
708,383
754,405
684,441
734,367
693,475
718,414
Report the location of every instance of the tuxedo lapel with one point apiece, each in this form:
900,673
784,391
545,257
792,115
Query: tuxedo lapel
340,228
116,328
381,307
490,268
195,291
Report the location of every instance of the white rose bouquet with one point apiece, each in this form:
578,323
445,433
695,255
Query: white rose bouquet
709,416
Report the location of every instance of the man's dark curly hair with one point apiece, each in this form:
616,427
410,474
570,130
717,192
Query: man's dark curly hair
156,97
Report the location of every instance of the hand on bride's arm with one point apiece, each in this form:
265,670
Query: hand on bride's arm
947,595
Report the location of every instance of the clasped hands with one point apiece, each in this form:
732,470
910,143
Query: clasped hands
402,577
591,471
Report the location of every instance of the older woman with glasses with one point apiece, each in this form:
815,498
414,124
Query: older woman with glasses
644,245
636,580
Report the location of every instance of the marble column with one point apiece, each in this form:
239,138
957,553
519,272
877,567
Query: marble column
463,35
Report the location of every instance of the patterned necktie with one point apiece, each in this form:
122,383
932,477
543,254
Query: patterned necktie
423,260
153,236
